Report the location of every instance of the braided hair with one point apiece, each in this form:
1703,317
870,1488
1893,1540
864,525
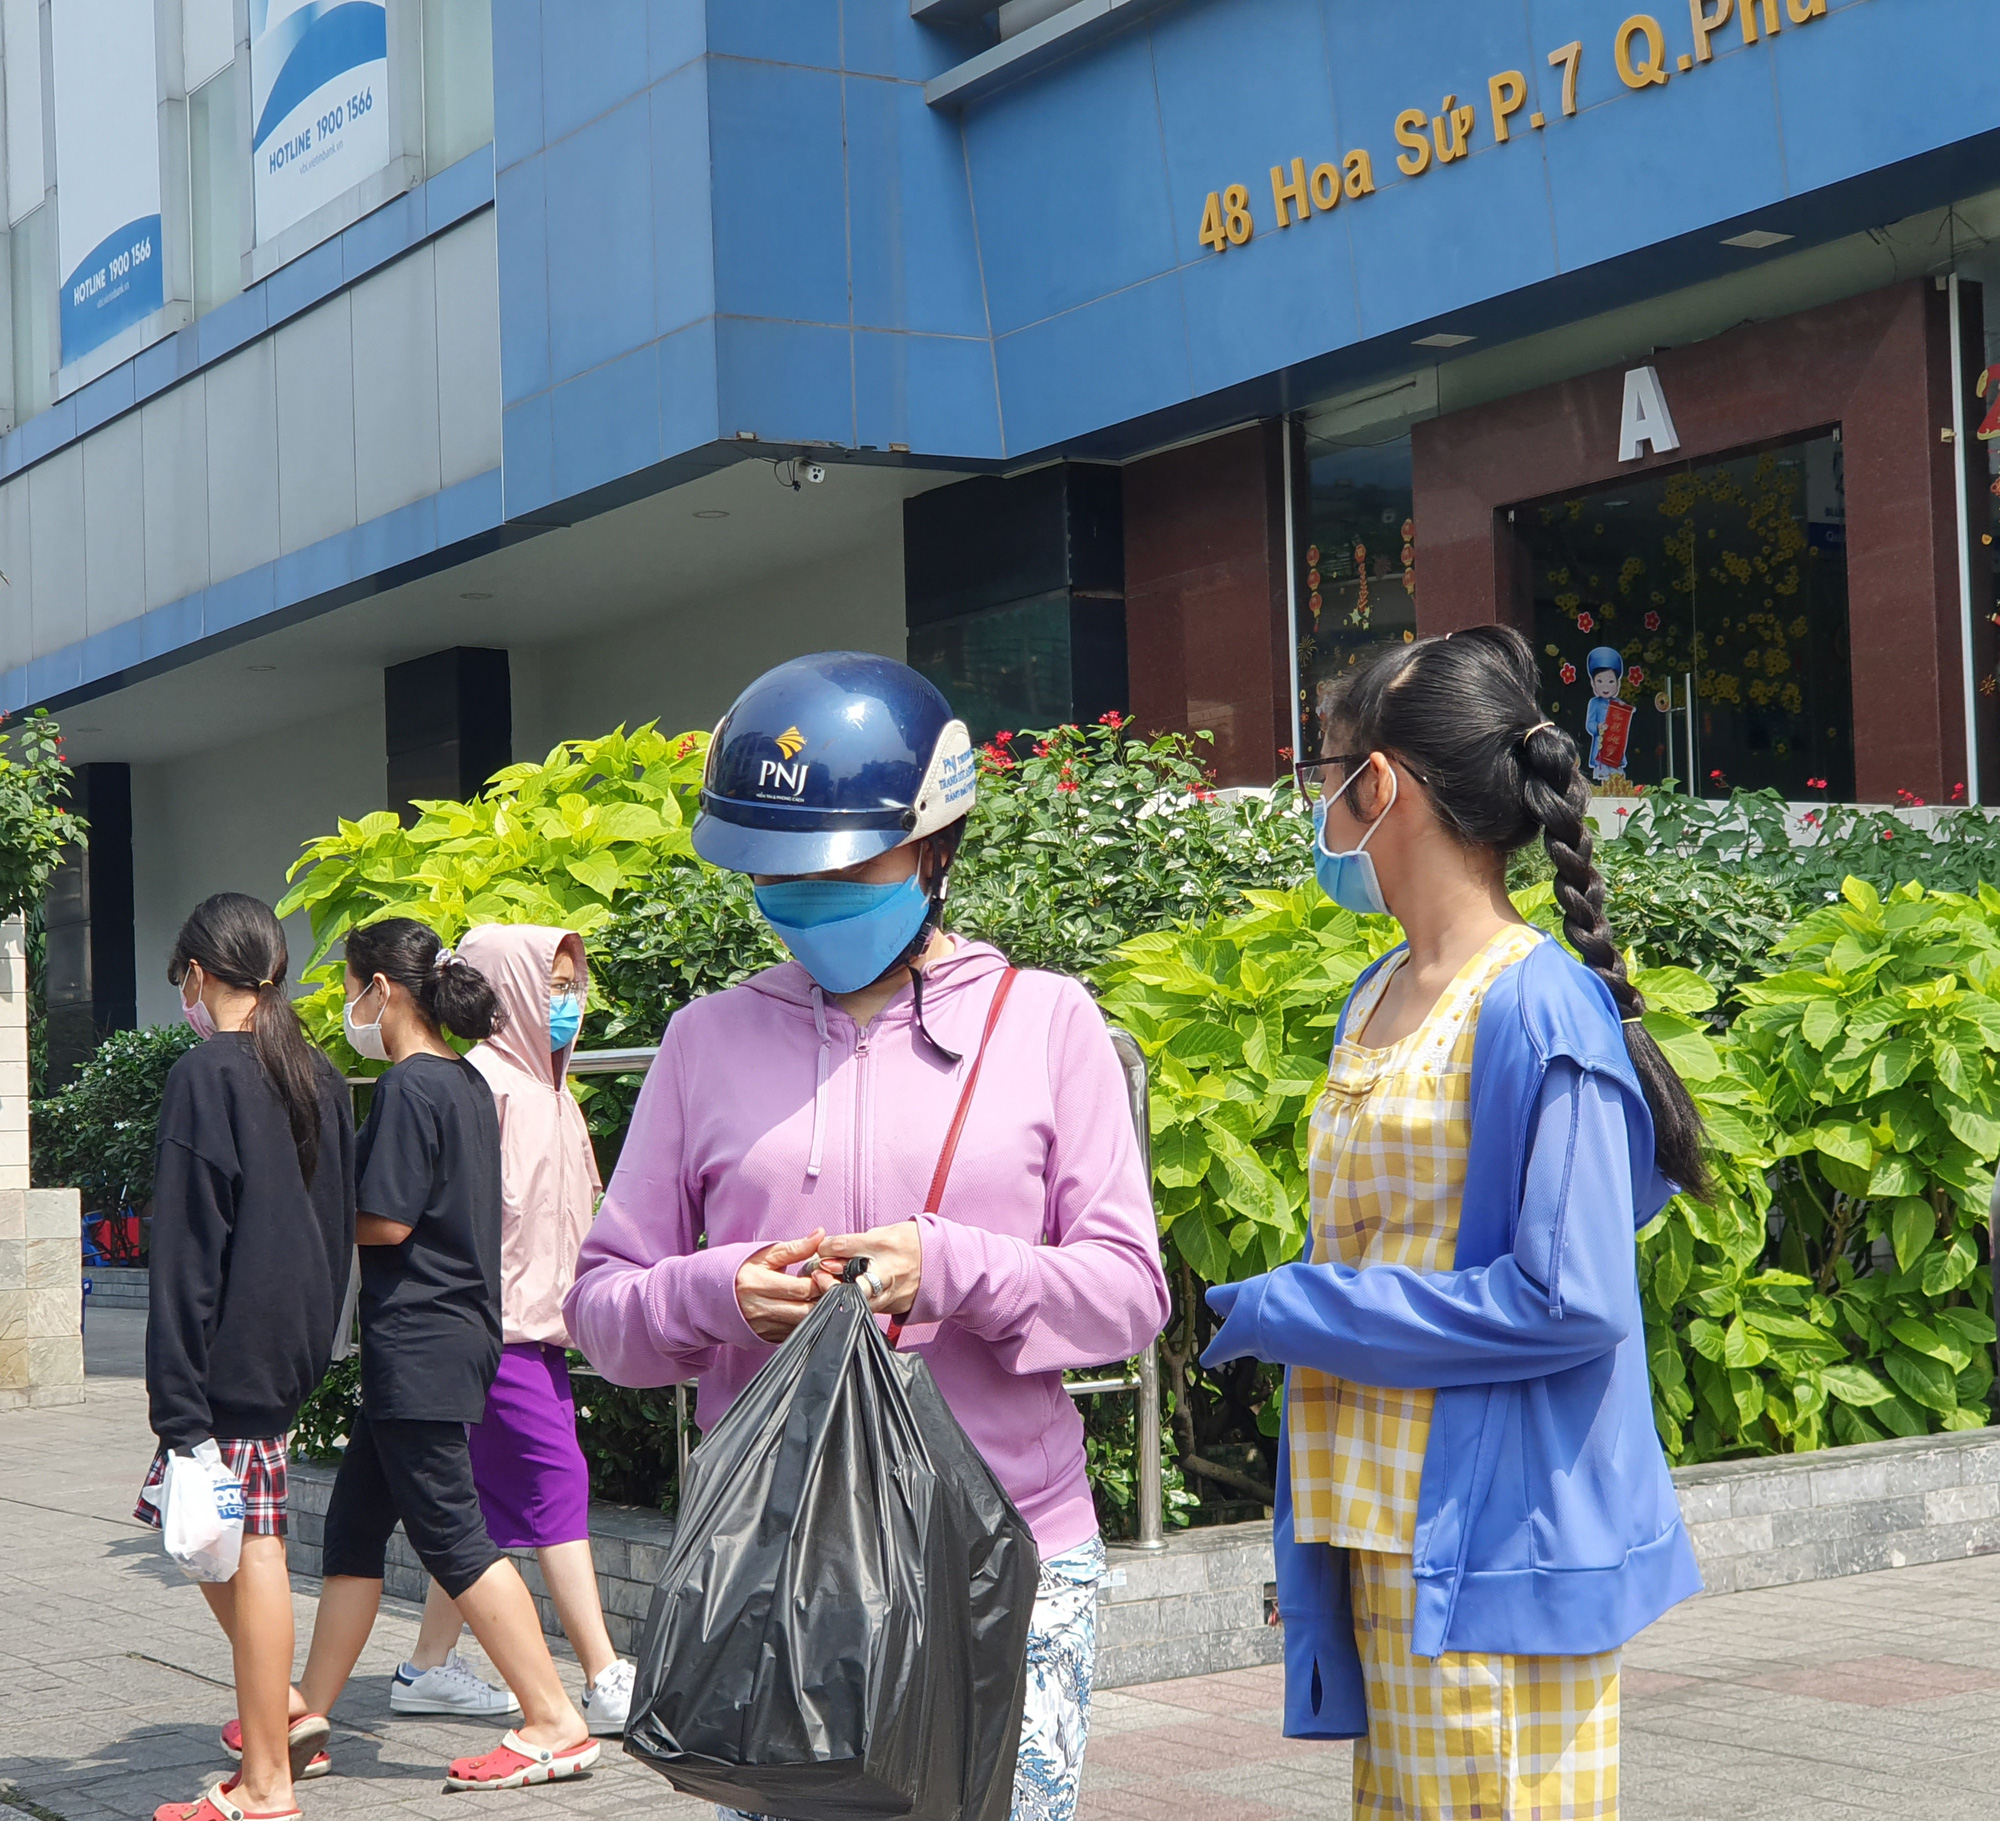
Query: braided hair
1461,713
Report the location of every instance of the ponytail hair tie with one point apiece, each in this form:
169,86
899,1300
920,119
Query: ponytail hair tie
1537,728
1641,1019
262,984
445,958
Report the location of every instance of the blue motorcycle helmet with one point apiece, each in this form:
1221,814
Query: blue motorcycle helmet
830,760
825,763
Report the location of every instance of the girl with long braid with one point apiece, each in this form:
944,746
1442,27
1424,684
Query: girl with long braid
1474,1512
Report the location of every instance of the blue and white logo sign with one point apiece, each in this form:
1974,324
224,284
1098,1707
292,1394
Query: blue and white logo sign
319,100
108,151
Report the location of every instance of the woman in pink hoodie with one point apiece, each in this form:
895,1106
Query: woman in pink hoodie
797,1120
534,1485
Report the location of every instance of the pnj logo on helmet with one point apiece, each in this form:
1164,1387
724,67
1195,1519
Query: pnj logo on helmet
782,780
787,779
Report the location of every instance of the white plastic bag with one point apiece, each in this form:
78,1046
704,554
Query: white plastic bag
201,1514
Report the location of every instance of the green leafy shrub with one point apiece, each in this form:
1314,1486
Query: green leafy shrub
562,843
1674,912
1809,854
1083,837
328,1414
628,1438
1875,1052
34,827
99,1134
1236,1019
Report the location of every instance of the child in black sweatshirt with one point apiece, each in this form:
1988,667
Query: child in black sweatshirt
253,1234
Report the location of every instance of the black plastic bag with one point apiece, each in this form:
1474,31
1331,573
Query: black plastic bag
841,1631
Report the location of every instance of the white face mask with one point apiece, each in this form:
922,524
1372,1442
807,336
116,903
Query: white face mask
366,1038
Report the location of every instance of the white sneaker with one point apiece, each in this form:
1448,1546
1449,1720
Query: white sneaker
450,1688
607,1702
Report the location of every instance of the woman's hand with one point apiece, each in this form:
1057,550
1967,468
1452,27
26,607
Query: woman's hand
895,1258
772,1299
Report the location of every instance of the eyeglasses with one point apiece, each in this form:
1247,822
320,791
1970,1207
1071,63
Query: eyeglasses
1310,775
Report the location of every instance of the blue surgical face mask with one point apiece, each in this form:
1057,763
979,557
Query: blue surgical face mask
1349,878
565,1019
844,933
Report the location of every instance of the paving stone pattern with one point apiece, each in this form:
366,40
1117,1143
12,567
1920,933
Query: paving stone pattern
1871,1696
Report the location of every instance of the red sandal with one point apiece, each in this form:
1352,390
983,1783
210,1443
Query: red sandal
308,1738
514,1764
215,1805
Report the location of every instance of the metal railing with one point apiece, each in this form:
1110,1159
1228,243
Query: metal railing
1144,1380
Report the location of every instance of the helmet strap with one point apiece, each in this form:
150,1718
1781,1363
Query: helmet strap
913,960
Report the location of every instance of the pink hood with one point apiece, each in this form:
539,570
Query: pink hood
770,1112
548,1172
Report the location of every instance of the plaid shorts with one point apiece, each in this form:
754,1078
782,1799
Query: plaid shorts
260,1465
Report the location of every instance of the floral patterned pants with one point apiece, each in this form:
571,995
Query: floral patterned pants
1055,1724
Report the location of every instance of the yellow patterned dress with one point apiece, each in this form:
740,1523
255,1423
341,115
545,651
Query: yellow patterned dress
1500,1738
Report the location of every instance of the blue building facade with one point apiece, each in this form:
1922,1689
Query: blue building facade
1157,354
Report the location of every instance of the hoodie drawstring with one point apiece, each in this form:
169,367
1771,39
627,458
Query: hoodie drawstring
819,1086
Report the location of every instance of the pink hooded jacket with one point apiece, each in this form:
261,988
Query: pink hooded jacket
548,1172
770,1113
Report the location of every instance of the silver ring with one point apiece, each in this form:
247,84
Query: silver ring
876,1287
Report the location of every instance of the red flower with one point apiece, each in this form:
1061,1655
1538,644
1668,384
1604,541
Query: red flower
1584,623
1003,738
1958,793
1887,835
1111,718
1069,784
1636,674
1815,784
1567,673
1652,622
1041,749
1285,753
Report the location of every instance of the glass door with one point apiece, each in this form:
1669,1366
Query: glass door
1691,623
1358,557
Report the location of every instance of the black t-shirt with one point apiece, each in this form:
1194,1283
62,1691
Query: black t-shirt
429,1159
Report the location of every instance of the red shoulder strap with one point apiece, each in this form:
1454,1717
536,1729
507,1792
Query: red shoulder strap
935,1199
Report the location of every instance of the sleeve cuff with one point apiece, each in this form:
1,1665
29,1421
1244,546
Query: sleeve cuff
959,1272
694,1298
1242,1310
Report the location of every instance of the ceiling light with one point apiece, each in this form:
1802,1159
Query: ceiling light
1442,341
712,512
1756,240
475,595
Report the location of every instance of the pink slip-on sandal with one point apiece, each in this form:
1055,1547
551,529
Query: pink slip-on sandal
514,1764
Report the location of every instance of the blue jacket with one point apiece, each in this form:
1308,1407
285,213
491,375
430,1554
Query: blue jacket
1546,1519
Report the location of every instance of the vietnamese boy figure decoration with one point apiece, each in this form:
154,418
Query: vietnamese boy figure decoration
1607,720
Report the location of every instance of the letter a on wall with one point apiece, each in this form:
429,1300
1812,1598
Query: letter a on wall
1646,421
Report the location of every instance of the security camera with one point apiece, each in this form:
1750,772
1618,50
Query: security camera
812,473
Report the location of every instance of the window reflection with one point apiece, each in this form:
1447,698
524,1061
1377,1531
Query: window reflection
1358,562
1727,579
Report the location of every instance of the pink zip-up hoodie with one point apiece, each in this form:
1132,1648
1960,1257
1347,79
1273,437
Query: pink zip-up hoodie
770,1113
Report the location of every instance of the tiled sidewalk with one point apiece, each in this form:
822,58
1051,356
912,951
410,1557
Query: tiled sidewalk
1853,1700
